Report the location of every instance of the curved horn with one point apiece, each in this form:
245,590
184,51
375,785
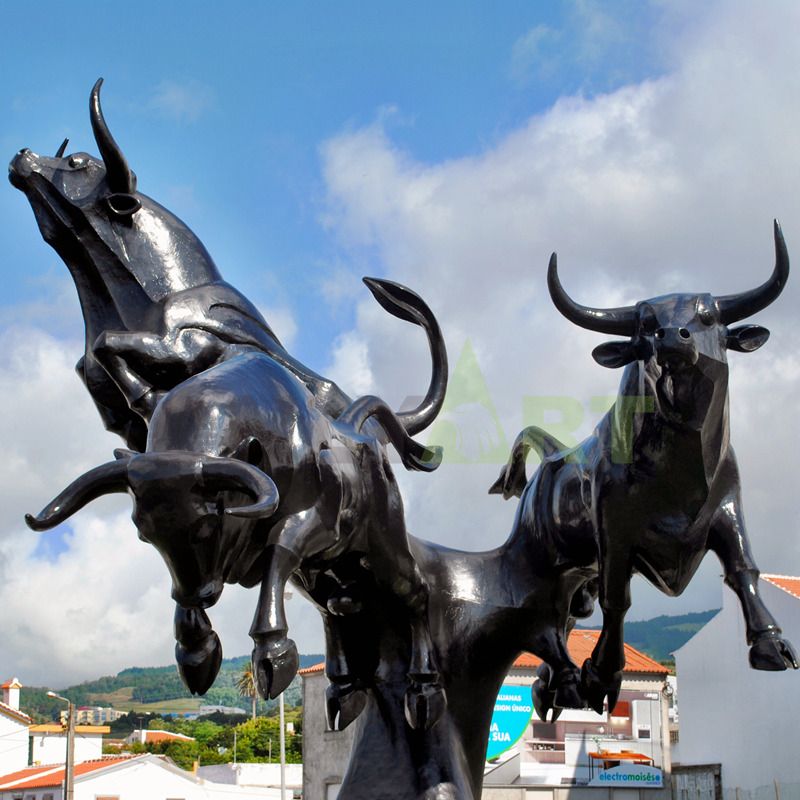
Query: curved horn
105,479
241,476
734,307
405,304
61,150
616,321
118,174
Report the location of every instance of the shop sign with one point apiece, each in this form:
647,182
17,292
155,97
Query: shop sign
512,714
632,776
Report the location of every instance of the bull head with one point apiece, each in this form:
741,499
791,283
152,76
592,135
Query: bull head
178,508
676,330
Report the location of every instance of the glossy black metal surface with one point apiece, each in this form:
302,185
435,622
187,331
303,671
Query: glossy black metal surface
656,486
247,467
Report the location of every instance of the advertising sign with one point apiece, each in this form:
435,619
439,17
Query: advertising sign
512,714
632,776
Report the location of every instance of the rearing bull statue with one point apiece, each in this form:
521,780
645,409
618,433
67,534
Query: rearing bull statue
656,486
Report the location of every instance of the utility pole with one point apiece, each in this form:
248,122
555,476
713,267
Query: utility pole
283,748
69,766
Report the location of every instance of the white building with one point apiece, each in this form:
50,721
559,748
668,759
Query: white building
48,743
144,777
13,729
744,719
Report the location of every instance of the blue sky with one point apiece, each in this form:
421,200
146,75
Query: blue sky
450,146
225,112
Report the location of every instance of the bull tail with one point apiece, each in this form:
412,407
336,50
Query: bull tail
401,302
414,455
513,480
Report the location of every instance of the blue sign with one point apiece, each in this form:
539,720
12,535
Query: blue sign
513,710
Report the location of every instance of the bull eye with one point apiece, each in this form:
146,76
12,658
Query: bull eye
76,162
705,316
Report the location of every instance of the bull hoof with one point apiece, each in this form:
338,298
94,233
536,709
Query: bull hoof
568,695
424,705
595,688
199,666
543,701
343,605
773,653
275,663
343,703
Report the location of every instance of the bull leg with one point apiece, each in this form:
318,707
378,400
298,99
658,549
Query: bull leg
275,659
198,650
345,696
125,355
728,540
601,674
425,699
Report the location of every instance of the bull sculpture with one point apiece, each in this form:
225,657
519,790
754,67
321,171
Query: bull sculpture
654,488
245,466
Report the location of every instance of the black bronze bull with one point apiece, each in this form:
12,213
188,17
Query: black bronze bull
324,509
655,487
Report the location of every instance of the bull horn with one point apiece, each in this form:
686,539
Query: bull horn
105,479
616,321
118,173
61,150
241,476
734,307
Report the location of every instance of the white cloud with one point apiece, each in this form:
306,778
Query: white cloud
665,185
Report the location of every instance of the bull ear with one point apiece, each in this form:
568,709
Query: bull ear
614,354
746,338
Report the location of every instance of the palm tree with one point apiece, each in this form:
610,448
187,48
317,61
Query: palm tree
246,686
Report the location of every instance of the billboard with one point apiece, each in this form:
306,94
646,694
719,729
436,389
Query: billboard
512,715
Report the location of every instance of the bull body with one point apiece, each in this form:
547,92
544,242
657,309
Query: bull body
186,370
653,489
138,268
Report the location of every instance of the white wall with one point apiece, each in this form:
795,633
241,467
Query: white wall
13,745
744,719
51,748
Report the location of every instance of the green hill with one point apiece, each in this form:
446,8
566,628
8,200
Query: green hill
661,636
157,690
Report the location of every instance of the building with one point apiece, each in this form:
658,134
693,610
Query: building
256,776
93,715
525,752
13,729
742,719
146,736
123,778
48,743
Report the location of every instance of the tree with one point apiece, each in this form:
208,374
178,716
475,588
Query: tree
246,686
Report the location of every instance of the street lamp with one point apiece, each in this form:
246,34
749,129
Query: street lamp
69,766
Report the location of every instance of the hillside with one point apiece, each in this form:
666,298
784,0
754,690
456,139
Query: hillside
157,690
661,636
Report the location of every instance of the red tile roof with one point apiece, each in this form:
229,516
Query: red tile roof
788,583
11,684
166,736
53,775
580,644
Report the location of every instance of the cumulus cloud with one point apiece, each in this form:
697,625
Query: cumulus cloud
665,185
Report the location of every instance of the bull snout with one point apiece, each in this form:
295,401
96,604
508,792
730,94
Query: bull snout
675,348
204,597
21,166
